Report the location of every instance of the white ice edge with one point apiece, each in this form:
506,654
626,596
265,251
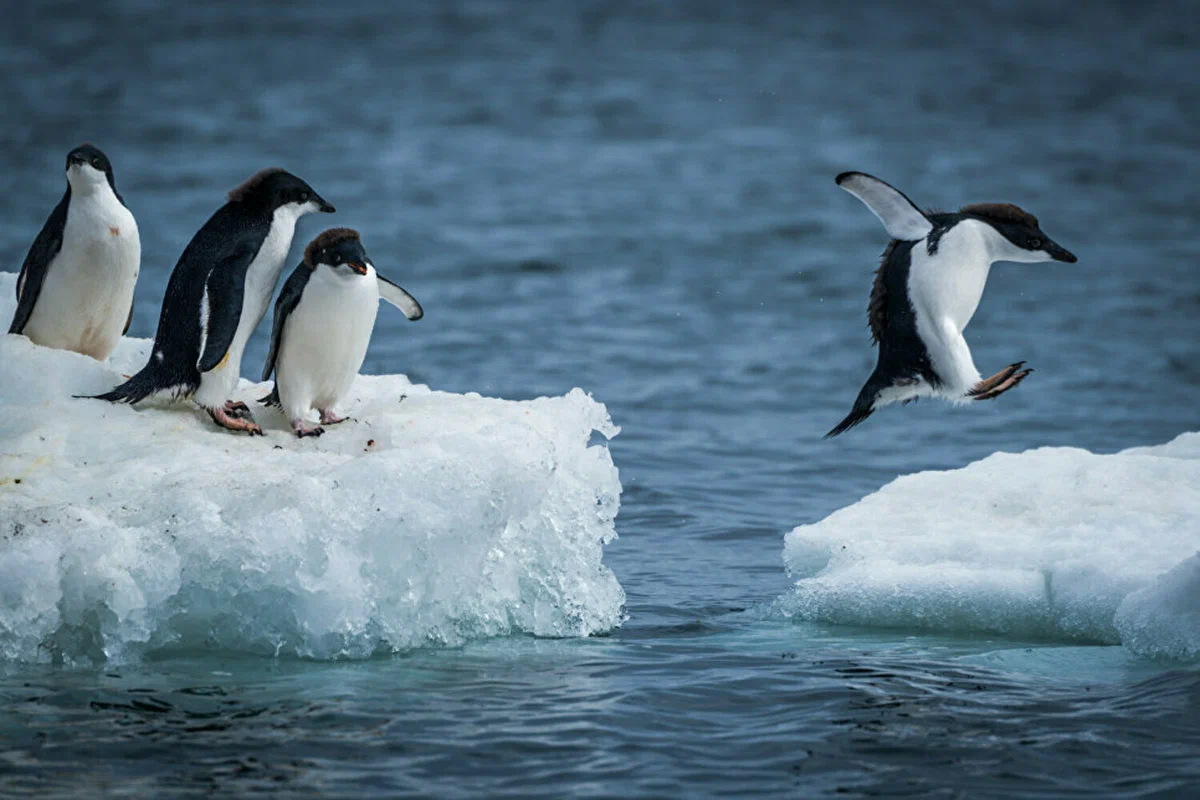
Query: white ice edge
1054,543
436,520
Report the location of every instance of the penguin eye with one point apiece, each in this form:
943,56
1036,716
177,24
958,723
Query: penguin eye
304,197
1035,243
337,259
96,162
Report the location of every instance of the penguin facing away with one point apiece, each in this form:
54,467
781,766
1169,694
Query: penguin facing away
323,322
217,295
928,285
75,290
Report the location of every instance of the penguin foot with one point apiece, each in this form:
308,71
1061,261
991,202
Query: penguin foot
303,430
238,410
999,383
235,423
330,418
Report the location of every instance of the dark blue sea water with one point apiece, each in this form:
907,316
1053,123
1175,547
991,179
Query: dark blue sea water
637,198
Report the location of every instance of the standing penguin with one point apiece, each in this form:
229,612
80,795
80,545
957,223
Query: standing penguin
218,294
75,291
927,289
323,322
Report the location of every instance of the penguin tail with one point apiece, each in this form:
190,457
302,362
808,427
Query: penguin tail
856,415
864,406
136,389
272,400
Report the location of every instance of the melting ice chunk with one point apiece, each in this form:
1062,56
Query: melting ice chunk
1048,543
433,521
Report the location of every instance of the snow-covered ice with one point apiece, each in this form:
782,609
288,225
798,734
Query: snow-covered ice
1055,543
435,520
1163,619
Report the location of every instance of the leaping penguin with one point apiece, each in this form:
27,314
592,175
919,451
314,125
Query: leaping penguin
217,295
75,290
927,289
323,322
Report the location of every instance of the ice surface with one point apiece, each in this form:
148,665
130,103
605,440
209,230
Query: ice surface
435,520
1163,619
1048,543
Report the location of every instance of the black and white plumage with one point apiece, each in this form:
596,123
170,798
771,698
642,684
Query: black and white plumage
219,292
926,290
323,322
75,290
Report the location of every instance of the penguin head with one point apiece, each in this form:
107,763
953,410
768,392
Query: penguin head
88,168
1021,238
274,188
341,251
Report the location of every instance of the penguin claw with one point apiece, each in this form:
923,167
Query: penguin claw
990,385
1010,381
237,409
330,418
235,421
302,429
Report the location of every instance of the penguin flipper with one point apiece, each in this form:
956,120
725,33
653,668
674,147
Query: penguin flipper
899,215
400,298
37,263
289,298
224,289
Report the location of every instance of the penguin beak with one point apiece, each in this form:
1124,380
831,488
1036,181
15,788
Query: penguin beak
1060,253
324,206
361,269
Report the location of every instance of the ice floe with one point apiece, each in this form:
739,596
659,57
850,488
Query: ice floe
435,519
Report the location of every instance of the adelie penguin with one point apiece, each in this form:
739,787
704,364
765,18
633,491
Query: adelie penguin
217,295
323,322
927,289
75,290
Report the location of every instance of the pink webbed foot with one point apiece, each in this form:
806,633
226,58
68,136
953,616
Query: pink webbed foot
241,422
237,409
330,418
999,383
302,429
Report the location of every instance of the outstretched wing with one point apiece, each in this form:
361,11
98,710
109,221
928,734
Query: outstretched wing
900,217
37,263
289,298
399,298
223,292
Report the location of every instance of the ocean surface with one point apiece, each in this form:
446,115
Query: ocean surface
637,198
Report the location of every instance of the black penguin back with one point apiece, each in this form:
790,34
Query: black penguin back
903,357
234,229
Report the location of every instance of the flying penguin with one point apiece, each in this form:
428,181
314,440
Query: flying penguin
323,322
217,295
75,290
926,290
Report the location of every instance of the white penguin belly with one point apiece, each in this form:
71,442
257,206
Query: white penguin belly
262,275
945,289
87,293
325,340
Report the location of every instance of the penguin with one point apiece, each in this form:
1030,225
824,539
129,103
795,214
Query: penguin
323,322
75,290
217,295
926,290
